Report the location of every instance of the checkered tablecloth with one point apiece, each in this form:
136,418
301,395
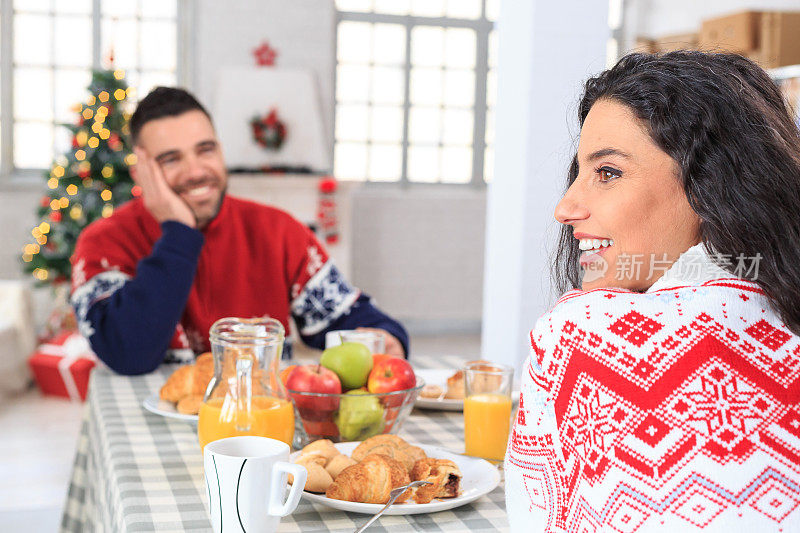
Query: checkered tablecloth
137,471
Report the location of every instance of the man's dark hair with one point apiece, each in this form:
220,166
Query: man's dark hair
162,102
725,123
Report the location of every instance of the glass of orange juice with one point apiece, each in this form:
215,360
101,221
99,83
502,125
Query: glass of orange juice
487,409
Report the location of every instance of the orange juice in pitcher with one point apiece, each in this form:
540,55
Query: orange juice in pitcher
269,417
246,396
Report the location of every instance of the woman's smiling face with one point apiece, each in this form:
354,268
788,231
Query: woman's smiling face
627,206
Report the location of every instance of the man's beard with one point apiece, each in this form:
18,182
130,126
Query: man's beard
211,180
205,221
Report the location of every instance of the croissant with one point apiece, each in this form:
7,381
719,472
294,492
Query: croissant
323,447
336,465
444,475
178,385
189,405
455,383
187,385
318,479
390,446
370,481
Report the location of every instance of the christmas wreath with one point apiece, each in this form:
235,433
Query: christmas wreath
268,130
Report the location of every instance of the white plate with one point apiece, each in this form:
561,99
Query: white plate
479,478
156,405
439,377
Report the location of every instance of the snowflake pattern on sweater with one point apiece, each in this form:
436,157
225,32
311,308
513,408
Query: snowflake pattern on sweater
672,410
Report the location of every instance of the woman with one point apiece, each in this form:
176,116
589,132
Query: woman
663,395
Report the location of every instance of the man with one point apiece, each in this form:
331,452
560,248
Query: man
150,280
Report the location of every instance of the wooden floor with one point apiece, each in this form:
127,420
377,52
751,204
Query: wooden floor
39,433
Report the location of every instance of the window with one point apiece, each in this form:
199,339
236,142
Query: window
616,12
51,47
415,89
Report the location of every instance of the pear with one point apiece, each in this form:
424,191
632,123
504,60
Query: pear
360,416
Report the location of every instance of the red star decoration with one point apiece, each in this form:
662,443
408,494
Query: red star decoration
265,55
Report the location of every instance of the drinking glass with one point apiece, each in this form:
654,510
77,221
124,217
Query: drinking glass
374,341
487,409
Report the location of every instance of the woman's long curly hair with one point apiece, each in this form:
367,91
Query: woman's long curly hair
725,123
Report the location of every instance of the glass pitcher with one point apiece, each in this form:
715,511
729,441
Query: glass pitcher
246,396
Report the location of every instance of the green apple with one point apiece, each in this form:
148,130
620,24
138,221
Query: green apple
359,416
351,361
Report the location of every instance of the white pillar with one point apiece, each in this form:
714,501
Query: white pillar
547,49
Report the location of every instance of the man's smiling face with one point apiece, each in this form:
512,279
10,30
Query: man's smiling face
186,148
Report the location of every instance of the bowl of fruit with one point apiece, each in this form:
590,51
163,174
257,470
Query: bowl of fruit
350,394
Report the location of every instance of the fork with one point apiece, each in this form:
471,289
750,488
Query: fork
393,495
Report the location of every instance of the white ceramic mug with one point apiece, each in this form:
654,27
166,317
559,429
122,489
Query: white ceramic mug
246,483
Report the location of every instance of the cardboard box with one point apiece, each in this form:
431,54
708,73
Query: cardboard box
62,366
681,41
757,57
644,45
738,33
780,39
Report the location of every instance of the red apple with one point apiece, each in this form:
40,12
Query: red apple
321,429
391,374
314,378
378,357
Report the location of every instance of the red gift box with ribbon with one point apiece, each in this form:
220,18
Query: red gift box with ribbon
62,365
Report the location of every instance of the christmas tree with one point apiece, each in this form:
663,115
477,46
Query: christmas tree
87,182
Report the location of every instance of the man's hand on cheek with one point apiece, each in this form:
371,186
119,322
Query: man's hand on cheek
158,197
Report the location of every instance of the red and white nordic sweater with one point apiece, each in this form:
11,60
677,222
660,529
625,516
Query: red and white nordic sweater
670,410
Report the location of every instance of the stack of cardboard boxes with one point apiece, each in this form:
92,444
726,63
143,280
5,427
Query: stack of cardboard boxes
772,39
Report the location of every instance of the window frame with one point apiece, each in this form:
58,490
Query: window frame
9,172
482,27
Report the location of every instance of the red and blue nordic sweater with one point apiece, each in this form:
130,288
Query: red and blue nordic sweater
143,290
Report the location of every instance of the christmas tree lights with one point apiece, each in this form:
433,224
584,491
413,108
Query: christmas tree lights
87,182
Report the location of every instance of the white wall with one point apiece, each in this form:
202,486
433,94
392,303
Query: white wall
419,252
17,218
542,64
658,18
302,31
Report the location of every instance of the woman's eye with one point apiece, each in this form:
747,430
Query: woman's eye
607,174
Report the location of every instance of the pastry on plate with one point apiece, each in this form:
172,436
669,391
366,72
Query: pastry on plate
390,446
444,476
187,384
431,392
323,462
337,464
455,383
370,481
189,405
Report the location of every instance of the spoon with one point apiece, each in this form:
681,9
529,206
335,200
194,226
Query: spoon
393,495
